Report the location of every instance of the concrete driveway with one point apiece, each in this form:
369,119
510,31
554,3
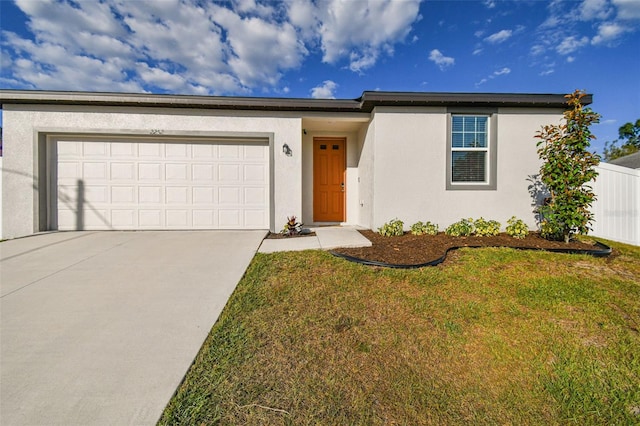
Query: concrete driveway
100,327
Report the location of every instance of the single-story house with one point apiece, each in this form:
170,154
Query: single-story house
103,161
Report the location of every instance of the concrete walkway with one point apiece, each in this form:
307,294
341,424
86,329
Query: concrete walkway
326,238
100,327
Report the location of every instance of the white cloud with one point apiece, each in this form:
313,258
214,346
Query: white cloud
477,51
325,90
537,49
546,72
363,60
497,73
440,60
361,30
571,44
195,46
608,33
570,59
627,9
489,4
499,37
595,9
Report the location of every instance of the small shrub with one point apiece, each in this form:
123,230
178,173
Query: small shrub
486,228
292,227
551,230
517,228
393,228
424,228
462,228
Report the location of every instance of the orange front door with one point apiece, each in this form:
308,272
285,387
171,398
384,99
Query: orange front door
329,170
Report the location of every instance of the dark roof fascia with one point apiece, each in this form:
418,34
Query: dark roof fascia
366,103
176,101
371,99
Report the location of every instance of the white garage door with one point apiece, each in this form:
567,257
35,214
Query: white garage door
138,184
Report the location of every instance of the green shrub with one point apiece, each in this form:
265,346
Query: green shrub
393,228
462,228
486,228
551,230
424,228
517,228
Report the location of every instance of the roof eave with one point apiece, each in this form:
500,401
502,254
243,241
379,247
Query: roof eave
366,103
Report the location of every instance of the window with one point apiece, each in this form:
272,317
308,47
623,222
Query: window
470,157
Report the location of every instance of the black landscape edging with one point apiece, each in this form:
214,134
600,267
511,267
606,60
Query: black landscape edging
603,251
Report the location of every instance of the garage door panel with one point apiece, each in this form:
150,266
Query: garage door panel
94,149
122,171
203,195
96,218
123,219
150,185
150,150
177,171
149,171
177,150
150,219
252,218
229,152
255,173
176,195
94,170
229,173
123,149
228,195
203,172
229,218
177,219
150,195
68,169
255,196
203,218
119,195
203,151
95,194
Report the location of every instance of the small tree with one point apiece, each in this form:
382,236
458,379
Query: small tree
629,135
566,170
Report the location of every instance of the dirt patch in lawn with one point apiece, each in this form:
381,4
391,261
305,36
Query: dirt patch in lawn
418,249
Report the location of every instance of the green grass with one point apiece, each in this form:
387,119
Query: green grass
496,336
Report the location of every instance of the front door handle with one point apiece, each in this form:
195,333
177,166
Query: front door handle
342,186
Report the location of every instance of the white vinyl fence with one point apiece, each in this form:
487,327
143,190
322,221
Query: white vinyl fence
617,209
0,198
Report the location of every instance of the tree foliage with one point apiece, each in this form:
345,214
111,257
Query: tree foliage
629,135
567,169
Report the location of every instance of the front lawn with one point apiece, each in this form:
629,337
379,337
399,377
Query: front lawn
493,336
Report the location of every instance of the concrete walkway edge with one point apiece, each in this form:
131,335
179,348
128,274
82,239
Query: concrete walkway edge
326,238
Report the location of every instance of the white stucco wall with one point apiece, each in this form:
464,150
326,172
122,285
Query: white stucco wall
23,123
410,167
396,163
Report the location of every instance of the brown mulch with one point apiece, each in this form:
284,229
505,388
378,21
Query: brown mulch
279,236
419,249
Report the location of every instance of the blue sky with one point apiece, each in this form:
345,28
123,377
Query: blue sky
329,48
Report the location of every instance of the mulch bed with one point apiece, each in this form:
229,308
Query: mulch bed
419,249
278,236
